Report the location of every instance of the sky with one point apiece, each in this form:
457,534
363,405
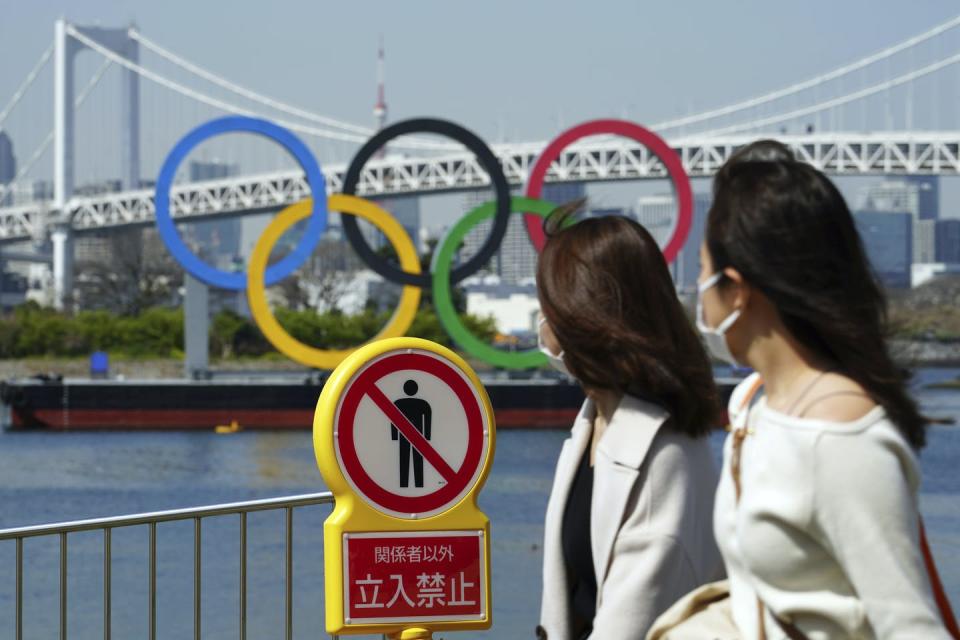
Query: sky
503,66
509,69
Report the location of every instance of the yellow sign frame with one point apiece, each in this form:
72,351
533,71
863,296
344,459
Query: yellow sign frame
352,514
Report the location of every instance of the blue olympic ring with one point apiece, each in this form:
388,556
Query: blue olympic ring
311,236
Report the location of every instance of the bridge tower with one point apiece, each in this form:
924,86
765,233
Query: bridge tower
65,50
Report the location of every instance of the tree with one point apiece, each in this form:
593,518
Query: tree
131,272
326,278
930,312
293,293
327,288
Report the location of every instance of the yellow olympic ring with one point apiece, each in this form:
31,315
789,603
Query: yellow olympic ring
399,322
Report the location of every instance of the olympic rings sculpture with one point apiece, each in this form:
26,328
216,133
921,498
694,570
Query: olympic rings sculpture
442,273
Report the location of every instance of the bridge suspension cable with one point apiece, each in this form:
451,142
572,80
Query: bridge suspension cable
231,108
25,85
196,95
272,102
811,82
48,140
839,101
243,91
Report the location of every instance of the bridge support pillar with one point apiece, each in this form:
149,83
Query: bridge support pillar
62,239
130,117
196,328
65,48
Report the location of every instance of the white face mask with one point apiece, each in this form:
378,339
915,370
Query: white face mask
555,360
715,337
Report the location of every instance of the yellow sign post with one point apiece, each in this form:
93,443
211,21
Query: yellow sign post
404,436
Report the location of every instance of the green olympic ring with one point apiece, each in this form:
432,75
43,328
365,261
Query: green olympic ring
443,301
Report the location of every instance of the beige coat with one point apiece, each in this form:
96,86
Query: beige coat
651,529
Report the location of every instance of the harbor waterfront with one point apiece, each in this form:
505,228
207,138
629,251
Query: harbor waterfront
48,476
280,361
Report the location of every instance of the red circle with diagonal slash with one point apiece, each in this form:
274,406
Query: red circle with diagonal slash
457,479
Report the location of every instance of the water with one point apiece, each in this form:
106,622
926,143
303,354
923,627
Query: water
46,477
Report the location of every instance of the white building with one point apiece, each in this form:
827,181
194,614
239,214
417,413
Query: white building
921,273
513,307
658,214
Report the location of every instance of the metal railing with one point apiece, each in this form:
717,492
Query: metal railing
197,515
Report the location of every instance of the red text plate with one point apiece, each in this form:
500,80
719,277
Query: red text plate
414,576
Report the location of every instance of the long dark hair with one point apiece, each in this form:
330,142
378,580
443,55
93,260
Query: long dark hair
605,289
787,229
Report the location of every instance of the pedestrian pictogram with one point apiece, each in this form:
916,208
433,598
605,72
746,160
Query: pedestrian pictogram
404,437
417,411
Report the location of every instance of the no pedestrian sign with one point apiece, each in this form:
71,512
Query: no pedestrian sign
411,434
404,435
414,577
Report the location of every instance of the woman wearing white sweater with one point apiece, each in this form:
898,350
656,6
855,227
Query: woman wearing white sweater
816,514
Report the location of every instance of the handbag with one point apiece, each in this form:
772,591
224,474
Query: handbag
703,613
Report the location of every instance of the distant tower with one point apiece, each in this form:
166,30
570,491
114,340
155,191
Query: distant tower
8,161
8,167
380,109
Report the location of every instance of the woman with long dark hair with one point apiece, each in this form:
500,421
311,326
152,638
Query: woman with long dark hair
816,513
628,521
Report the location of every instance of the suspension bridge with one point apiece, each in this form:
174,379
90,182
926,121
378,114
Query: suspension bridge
881,114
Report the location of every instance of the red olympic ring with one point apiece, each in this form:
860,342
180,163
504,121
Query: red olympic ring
653,142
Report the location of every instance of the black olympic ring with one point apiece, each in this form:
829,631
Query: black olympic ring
487,160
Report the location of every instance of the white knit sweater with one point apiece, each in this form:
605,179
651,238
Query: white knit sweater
826,532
